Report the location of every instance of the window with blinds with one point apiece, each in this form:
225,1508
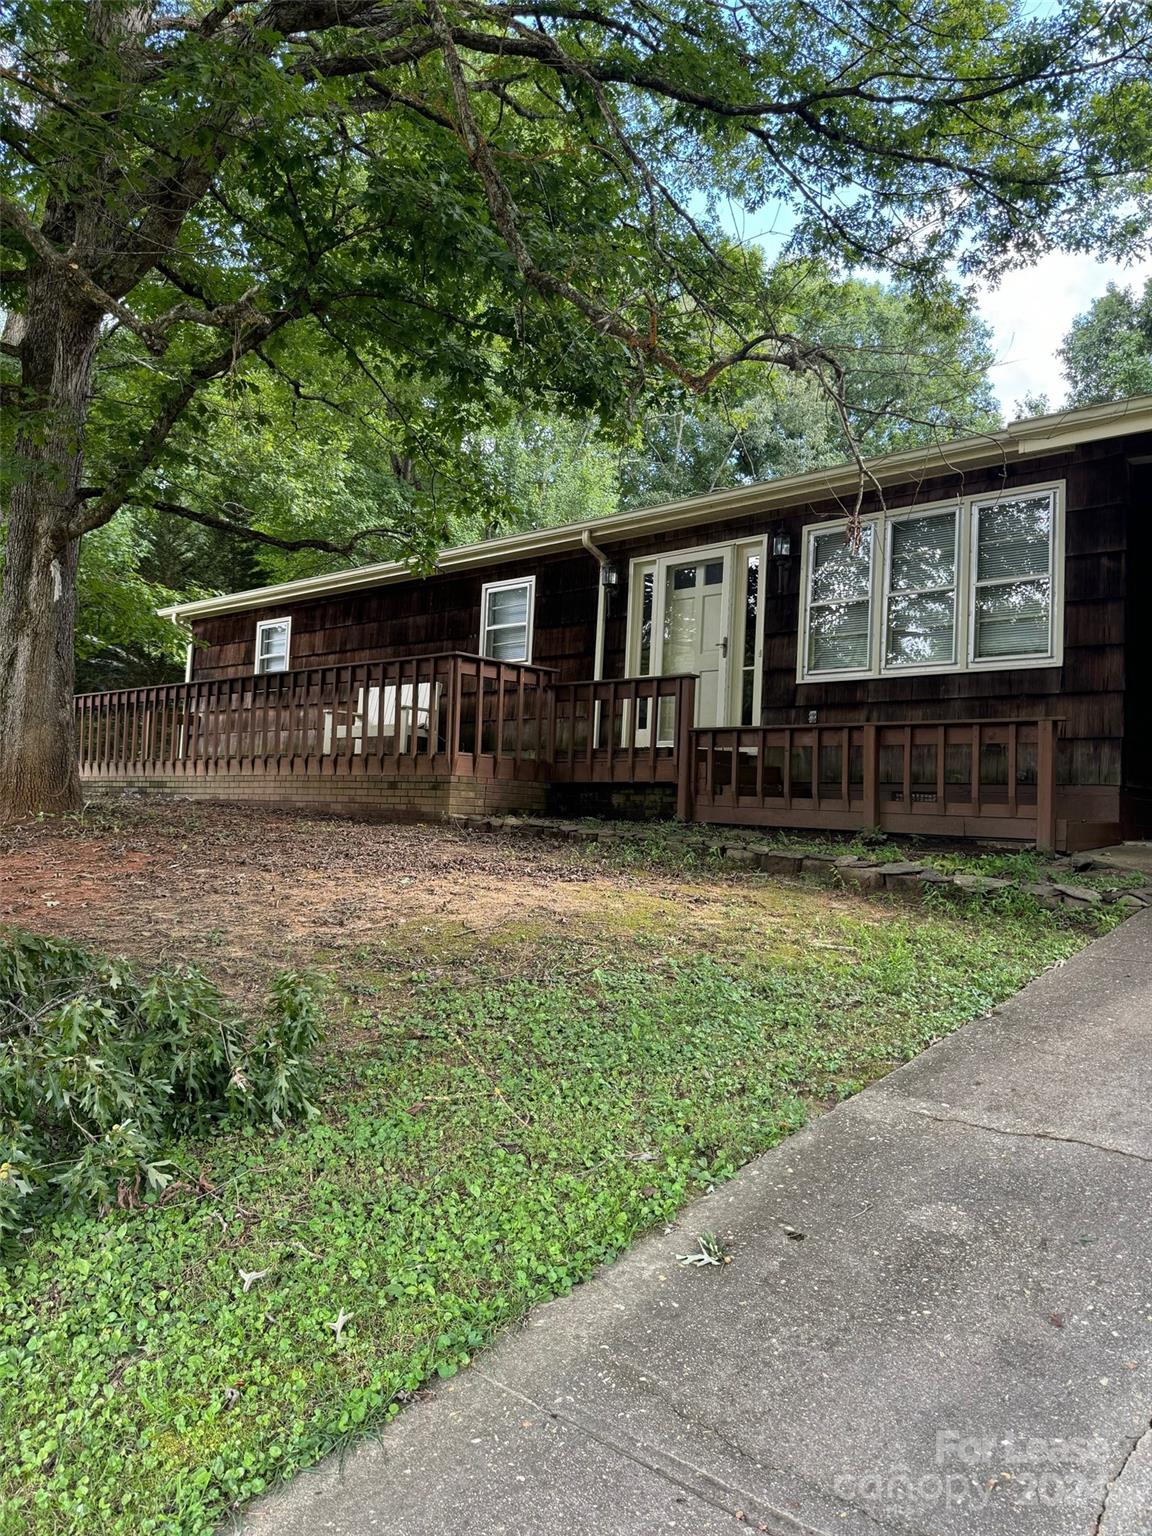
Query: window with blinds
1013,584
273,638
840,601
921,601
506,622
975,585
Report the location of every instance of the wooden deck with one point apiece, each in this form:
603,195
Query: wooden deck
968,778
458,716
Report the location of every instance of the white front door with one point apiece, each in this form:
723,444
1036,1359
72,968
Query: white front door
700,611
694,634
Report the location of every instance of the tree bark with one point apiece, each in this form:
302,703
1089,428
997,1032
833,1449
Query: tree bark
38,762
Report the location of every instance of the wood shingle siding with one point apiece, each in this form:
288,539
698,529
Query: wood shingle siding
1099,694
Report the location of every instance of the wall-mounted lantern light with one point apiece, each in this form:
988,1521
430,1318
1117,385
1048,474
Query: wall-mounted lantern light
609,576
781,545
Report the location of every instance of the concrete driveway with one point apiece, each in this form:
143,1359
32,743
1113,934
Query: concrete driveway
937,1319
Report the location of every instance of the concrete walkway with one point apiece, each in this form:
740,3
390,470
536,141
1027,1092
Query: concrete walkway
960,1342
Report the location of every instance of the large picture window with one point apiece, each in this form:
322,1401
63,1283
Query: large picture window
970,586
506,620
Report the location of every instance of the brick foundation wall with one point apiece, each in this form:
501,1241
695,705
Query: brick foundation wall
361,799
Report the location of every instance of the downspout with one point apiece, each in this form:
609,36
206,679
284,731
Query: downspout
601,603
189,653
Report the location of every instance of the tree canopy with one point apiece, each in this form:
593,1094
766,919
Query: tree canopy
1107,353
477,202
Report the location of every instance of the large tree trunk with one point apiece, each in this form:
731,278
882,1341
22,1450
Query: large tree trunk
38,766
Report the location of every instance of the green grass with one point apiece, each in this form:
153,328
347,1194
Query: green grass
499,1116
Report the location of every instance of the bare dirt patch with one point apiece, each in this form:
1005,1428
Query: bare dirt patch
247,891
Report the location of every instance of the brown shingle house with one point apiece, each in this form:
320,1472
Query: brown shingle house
973,661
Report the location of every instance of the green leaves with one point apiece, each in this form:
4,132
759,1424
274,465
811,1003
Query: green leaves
100,1072
1107,354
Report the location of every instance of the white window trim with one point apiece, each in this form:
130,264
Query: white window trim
261,626
530,623
964,658
1054,656
959,619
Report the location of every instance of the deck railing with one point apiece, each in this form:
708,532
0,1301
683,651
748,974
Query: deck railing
624,731
968,778
468,716
450,714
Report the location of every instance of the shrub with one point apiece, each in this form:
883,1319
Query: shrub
101,1070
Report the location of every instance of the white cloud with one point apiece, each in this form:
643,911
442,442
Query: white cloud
1030,312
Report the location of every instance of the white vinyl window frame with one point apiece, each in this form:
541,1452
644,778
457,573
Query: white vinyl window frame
528,626
965,659
1054,654
822,530
912,515
262,628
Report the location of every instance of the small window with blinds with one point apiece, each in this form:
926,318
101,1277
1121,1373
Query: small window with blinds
506,619
920,608
840,601
1012,586
273,640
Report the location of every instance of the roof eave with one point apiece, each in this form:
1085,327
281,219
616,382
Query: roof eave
1048,434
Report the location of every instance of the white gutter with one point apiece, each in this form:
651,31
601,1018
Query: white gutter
1045,434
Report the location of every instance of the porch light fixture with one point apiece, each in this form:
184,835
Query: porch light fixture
781,545
609,576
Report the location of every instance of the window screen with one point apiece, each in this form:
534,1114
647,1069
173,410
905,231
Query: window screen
1013,590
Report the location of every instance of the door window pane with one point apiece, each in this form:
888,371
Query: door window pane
748,650
647,597
713,573
683,578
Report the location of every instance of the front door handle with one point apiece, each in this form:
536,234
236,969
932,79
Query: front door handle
724,647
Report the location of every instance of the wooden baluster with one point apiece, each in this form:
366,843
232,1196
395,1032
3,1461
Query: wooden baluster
787,775
816,768
519,718
906,781
685,697
129,731
845,759
414,742
455,714
941,762
974,771
1046,784
631,727
1013,808
500,683
870,796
